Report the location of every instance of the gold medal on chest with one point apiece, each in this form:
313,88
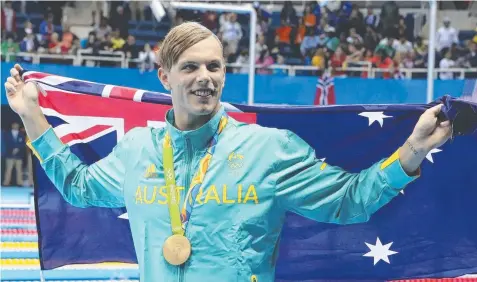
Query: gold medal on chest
176,249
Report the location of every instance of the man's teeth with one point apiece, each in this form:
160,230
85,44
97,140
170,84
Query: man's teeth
203,93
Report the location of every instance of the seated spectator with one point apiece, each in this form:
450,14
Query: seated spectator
356,21
354,38
146,59
117,42
75,47
27,29
29,44
288,14
55,46
310,42
402,27
67,38
337,60
260,45
371,38
231,33
402,45
298,33
371,19
386,45
383,61
9,21
264,19
210,21
102,29
11,47
283,33
356,54
263,62
320,29
309,18
408,60
243,59
46,29
93,44
331,41
130,48
368,55
420,47
106,44
280,62
445,64
318,59
471,57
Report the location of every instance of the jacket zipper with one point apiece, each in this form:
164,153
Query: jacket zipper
189,158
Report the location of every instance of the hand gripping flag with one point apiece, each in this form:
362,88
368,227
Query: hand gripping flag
428,231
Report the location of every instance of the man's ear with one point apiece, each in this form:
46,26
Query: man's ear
225,72
164,78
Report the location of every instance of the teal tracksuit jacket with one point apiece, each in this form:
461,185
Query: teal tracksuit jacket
255,176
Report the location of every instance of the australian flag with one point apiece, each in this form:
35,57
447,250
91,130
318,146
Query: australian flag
428,231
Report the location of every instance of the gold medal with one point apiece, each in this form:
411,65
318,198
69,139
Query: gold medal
176,249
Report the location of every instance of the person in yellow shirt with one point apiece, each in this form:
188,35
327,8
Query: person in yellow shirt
318,59
116,40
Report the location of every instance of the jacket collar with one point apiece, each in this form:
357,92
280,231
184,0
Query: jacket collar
198,138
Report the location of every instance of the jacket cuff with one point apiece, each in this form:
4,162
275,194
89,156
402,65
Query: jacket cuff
395,175
46,145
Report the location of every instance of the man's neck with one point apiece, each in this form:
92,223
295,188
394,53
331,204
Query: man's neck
185,121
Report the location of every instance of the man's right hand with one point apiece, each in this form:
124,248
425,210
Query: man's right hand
22,97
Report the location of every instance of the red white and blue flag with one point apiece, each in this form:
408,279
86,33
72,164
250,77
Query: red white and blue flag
430,231
325,91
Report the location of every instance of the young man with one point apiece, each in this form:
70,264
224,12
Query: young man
223,222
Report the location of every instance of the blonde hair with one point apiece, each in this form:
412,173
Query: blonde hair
179,39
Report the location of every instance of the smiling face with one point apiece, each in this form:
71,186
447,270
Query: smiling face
196,78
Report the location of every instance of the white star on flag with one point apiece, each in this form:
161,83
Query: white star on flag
379,251
375,116
323,159
429,155
124,216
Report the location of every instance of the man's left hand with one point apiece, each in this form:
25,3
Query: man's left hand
429,133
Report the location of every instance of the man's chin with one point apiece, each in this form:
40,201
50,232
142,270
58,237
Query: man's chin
204,109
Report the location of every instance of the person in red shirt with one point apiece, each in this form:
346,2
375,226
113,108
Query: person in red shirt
337,60
381,60
9,22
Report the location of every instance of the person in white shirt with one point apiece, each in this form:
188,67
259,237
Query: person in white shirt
446,63
446,35
402,45
146,59
260,45
231,34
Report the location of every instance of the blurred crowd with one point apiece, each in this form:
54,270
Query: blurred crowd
337,36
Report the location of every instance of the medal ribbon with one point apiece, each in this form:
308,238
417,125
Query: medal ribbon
179,219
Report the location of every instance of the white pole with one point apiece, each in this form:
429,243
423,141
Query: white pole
432,50
251,55
243,9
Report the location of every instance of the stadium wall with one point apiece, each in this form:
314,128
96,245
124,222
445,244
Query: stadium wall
298,90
